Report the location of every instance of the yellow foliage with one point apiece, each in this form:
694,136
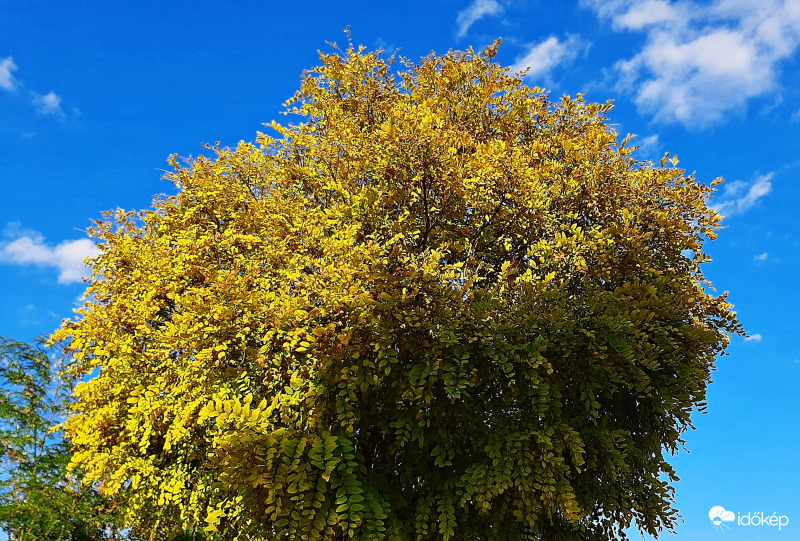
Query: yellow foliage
439,305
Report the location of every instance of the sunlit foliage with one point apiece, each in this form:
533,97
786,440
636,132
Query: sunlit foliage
440,307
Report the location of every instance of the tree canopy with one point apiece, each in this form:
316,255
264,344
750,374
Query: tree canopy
39,499
441,306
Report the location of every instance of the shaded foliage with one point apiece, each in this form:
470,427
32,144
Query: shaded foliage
39,498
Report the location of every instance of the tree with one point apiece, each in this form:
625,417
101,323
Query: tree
39,499
441,306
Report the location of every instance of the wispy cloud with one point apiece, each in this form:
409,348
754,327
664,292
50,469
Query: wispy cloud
753,338
542,57
27,247
648,147
476,11
48,104
762,257
7,81
45,104
702,61
738,196
638,14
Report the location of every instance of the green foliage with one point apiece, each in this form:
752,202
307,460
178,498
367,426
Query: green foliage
442,307
39,499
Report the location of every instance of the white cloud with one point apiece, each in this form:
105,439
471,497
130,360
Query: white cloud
795,116
702,62
648,146
648,13
45,104
762,257
29,248
49,104
753,338
638,14
477,10
7,81
544,56
739,196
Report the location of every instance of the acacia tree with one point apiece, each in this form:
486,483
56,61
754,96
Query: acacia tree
441,306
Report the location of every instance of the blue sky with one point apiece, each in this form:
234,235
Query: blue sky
94,96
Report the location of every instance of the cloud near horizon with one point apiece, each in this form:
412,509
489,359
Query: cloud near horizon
28,247
702,61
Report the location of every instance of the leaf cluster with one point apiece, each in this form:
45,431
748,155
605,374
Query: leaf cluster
39,498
